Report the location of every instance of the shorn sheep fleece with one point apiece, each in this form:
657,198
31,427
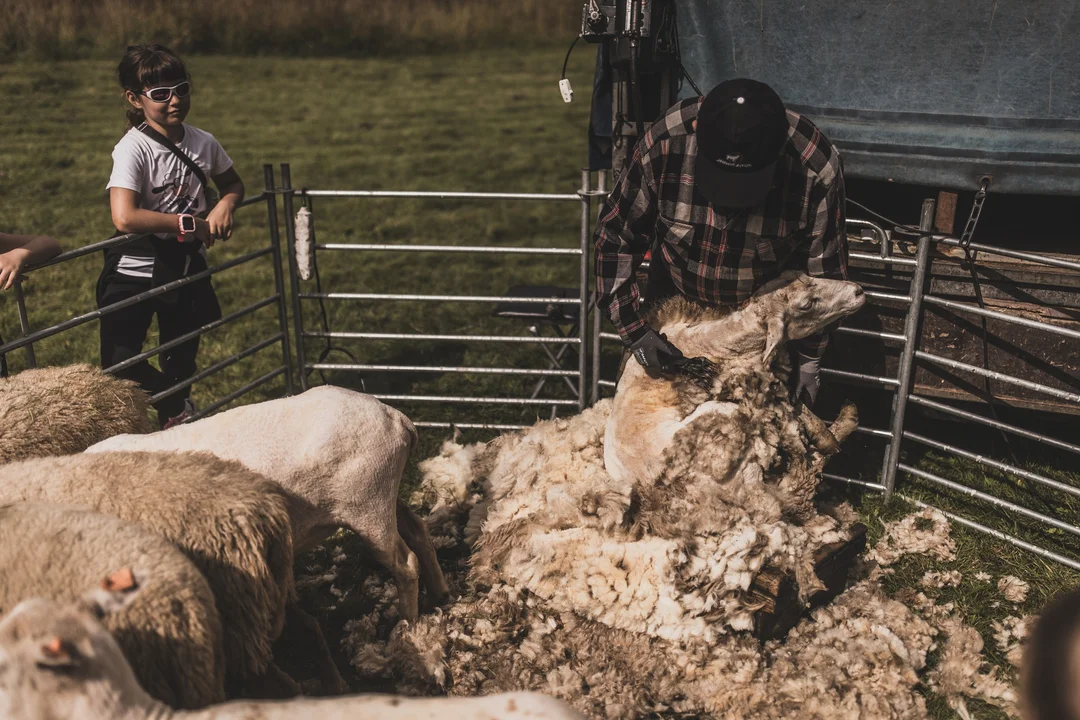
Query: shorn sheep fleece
571,594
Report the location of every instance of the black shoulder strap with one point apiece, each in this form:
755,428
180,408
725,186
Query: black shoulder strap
153,134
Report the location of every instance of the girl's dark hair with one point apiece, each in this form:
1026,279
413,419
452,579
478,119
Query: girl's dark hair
1048,656
146,66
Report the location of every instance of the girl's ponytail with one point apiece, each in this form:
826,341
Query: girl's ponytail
146,66
135,117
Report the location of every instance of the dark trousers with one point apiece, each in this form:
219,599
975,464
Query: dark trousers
123,333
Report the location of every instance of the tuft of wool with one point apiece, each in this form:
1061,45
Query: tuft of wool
1013,588
64,410
923,533
983,576
943,579
1010,635
962,672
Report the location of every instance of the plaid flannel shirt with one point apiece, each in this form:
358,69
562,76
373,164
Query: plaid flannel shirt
713,258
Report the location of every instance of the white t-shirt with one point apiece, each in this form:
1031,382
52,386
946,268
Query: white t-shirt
164,183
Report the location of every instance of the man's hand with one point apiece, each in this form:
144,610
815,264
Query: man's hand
806,389
11,265
654,352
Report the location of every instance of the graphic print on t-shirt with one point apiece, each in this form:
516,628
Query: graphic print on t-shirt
176,194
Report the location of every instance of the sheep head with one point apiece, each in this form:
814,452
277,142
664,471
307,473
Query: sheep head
798,306
59,660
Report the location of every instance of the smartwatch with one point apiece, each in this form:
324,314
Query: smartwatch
187,224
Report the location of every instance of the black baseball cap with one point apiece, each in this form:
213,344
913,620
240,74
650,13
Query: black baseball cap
742,128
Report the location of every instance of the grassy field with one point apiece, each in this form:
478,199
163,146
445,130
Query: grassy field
485,120
67,29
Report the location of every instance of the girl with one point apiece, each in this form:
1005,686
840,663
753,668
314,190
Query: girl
159,191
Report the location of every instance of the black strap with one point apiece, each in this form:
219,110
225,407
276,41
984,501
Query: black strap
153,134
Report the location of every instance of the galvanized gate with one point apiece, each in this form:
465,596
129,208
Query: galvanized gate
904,255
579,301
277,298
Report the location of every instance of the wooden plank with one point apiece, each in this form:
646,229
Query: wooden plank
945,220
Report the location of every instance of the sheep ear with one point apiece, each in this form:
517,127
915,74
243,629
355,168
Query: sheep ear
57,653
116,592
774,335
457,433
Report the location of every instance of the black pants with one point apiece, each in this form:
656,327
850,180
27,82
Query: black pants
123,333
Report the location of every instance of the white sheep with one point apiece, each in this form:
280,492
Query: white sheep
57,661
339,455
649,410
62,410
171,634
231,522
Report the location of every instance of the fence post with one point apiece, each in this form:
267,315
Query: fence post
294,274
24,324
279,281
911,343
598,320
583,288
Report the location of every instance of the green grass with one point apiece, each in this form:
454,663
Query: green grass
68,29
482,121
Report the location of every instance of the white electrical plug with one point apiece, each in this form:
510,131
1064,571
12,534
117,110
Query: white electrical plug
566,90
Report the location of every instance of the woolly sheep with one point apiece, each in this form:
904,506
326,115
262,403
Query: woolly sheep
339,455
171,634
649,411
232,523
62,410
59,662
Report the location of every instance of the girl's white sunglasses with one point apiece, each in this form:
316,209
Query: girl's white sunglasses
164,94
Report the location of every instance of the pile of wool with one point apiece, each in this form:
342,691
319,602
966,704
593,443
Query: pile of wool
863,655
858,657
623,600
675,559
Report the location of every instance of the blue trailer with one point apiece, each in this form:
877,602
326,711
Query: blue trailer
923,99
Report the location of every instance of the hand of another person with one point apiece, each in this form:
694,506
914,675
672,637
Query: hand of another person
806,389
220,220
11,265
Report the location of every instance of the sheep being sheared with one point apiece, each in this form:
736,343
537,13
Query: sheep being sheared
649,411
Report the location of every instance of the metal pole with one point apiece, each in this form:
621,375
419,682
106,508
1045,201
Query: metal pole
279,281
911,341
24,324
583,287
597,313
294,274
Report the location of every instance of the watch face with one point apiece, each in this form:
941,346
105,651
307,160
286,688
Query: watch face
187,224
